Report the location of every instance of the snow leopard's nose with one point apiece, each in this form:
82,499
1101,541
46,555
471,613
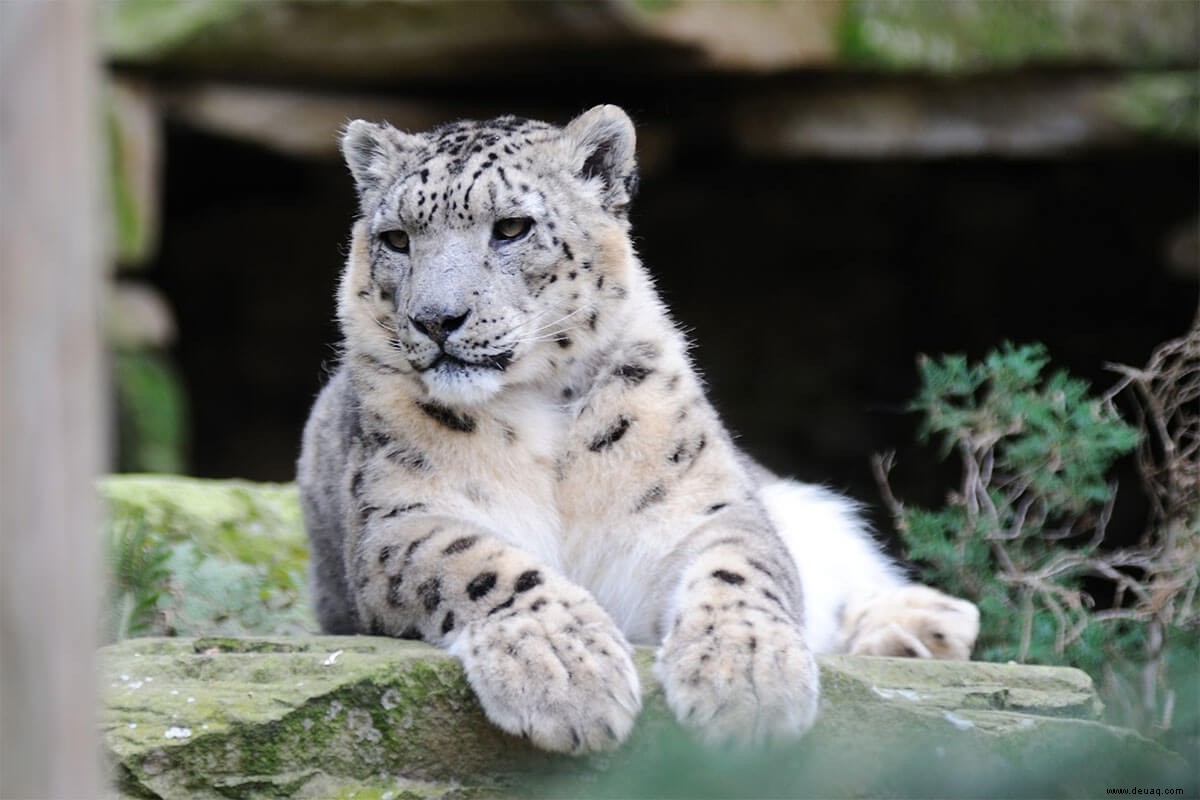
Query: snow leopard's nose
438,324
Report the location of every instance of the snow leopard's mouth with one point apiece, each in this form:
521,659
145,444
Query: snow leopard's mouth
448,364
456,382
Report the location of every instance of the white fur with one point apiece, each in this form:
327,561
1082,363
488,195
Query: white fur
462,386
837,557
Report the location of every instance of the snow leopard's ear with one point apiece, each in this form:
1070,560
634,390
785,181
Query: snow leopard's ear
602,144
374,153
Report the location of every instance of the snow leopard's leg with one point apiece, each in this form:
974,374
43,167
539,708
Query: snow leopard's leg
544,658
320,476
734,663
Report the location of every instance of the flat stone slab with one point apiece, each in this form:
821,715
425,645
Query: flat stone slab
368,717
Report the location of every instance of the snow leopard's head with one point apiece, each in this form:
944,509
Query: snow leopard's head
488,254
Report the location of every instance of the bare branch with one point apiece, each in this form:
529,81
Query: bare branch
881,466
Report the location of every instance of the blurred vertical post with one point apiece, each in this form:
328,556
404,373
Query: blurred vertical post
52,414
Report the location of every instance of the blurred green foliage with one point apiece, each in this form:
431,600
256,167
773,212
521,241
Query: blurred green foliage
131,234
139,578
151,412
666,764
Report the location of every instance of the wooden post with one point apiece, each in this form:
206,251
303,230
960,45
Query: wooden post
52,413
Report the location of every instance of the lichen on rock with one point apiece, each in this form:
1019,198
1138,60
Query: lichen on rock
279,717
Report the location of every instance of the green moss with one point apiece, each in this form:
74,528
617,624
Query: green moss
973,35
139,28
231,644
264,708
655,6
237,553
401,789
1166,106
185,508
132,234
397,717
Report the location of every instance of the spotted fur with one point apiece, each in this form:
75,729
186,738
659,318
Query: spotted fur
516,460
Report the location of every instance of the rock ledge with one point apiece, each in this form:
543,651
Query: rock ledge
382,718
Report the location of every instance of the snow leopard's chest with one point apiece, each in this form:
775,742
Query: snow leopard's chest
567,482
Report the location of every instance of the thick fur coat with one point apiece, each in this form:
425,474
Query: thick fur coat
516,460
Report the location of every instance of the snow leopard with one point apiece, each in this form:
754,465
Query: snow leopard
516,461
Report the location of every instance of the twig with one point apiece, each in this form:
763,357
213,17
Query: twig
881,466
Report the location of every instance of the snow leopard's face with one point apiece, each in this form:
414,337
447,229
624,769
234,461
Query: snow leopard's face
488,252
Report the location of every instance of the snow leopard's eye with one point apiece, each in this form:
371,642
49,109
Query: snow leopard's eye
396,241
508,230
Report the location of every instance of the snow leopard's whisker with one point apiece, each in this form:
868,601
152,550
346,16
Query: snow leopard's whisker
541,335
391,329
546,336
532,318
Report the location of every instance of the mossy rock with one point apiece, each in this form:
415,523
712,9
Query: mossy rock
196,557
1165,106
378,717
970,36
238,711
427,38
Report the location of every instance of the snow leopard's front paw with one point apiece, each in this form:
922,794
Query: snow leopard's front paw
554,669
913,621
739,676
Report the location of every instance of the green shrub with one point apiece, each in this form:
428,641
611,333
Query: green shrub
1024,533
